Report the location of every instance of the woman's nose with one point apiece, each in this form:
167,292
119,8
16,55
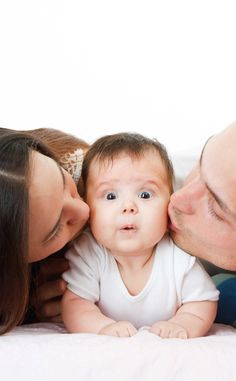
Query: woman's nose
187,199
77,211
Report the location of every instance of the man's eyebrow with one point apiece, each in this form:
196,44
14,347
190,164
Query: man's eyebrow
55,227
219,201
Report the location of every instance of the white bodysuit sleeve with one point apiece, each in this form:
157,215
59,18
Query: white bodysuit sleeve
194,282
84,267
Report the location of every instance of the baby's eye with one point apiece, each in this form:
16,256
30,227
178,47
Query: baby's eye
145,194
111,196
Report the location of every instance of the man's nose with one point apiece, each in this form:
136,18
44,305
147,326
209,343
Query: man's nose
187,199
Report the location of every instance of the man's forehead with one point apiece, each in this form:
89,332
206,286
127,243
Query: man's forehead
204,147
218,172
223,140
221,148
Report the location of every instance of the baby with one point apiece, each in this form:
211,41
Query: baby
126,272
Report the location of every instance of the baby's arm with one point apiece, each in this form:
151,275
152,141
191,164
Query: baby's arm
82,315
192,319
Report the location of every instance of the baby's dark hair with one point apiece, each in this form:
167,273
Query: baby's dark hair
135,145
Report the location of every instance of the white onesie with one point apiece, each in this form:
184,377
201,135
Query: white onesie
176,278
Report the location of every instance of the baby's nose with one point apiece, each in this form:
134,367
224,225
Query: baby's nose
130,207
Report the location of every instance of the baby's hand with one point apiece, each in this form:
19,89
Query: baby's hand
166,329
119,329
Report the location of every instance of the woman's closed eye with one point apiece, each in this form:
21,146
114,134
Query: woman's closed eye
57,233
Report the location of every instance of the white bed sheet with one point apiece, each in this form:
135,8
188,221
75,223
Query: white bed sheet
47,352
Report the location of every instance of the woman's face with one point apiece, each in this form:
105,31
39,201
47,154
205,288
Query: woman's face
56,211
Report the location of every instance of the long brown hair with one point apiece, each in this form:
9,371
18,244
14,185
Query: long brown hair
60,143
68,149
15,152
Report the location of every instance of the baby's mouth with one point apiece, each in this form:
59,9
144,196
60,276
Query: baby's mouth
129,227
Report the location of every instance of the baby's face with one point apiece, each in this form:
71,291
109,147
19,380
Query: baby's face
128,201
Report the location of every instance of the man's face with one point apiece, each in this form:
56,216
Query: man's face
203,212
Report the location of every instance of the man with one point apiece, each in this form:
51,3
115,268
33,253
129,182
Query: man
203,215
202,221
203,212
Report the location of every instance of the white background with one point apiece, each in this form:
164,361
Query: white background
162,68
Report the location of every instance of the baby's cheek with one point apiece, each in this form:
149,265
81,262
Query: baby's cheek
97,222
163,218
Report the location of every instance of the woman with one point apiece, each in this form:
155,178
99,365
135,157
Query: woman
40,211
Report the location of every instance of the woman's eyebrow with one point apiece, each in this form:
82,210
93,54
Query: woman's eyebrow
55,227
